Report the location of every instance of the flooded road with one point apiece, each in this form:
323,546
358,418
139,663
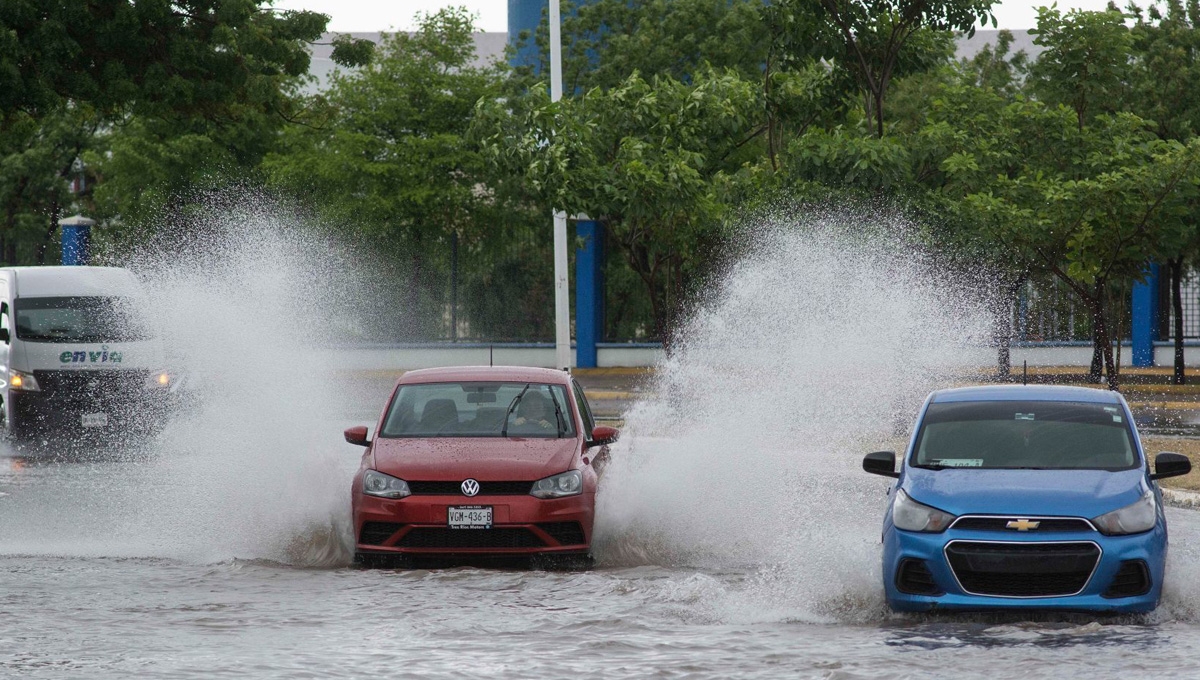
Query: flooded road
737,536
112,570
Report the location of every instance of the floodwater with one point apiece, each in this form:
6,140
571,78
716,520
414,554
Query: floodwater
101,584
736,533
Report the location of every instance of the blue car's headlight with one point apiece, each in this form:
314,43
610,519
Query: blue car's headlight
1134,518
910,515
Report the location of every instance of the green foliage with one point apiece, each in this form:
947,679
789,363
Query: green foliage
387,155
605,41
874,41
1086,62
643,158
161,99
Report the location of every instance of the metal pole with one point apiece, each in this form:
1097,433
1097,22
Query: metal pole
562,300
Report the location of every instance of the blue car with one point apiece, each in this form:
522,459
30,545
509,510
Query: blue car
1025,497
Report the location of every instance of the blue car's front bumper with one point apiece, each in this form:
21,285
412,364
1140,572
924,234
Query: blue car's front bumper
1096,595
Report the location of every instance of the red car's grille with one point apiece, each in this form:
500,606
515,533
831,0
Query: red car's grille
377,533
419,488
437,537
566,533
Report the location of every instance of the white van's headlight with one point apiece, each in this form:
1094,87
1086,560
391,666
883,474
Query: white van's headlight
19,380
159,380
559,486
1139,516
910,515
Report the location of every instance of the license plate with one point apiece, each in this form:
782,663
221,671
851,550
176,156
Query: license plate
95,419
470,517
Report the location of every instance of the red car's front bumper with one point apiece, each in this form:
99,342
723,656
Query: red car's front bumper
521,525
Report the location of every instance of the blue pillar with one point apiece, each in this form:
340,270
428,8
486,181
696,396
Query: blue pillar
589,291
1145,317
524,15
76,239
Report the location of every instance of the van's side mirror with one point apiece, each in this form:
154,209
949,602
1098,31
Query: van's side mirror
357,435
881,463
603,434
1170,465
3,308
4,335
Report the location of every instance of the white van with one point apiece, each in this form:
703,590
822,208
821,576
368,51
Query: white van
77,352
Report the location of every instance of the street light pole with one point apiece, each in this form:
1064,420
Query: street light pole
562,299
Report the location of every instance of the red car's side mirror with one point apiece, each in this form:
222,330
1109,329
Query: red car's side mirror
357,435
603,434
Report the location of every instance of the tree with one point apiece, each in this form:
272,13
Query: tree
86,79
1086,61
1165,88
389,157
645,158
868,38
606,41
1087,204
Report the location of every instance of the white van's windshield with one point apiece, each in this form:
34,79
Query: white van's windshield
80,319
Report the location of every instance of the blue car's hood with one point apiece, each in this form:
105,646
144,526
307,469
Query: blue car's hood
1074,493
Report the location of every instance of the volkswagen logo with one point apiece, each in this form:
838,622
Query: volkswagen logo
470,487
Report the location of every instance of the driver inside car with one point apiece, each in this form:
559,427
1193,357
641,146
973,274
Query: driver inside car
534,414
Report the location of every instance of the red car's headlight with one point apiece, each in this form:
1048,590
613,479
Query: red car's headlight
561,485
375,483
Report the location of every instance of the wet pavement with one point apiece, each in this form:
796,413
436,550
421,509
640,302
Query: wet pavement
221,549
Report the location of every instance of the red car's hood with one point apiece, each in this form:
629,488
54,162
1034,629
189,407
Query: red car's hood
485,459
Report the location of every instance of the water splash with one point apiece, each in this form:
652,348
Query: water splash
249,299
817,346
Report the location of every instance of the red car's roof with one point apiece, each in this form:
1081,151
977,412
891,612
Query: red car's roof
487,374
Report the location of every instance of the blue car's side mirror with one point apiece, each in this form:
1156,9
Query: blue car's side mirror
1170,465
881,463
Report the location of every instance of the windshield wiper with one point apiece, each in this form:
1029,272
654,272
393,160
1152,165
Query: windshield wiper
561,422
512,405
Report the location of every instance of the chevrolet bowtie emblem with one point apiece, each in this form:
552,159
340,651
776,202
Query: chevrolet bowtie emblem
1022,525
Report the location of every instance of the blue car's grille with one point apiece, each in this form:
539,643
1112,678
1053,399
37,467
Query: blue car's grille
1043,524
1022,569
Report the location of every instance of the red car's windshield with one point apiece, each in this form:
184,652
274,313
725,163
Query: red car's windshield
479,409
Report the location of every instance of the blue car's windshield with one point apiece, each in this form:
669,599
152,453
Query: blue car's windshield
1049,435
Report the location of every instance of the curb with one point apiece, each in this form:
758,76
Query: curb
1181,498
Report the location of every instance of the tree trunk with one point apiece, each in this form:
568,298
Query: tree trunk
879,111
51,229
1096,370
1099,336
454,286
1176,269
1102,338
1003,327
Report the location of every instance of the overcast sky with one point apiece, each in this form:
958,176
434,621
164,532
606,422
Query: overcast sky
383,15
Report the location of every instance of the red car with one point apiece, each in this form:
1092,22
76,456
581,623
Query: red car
479,462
